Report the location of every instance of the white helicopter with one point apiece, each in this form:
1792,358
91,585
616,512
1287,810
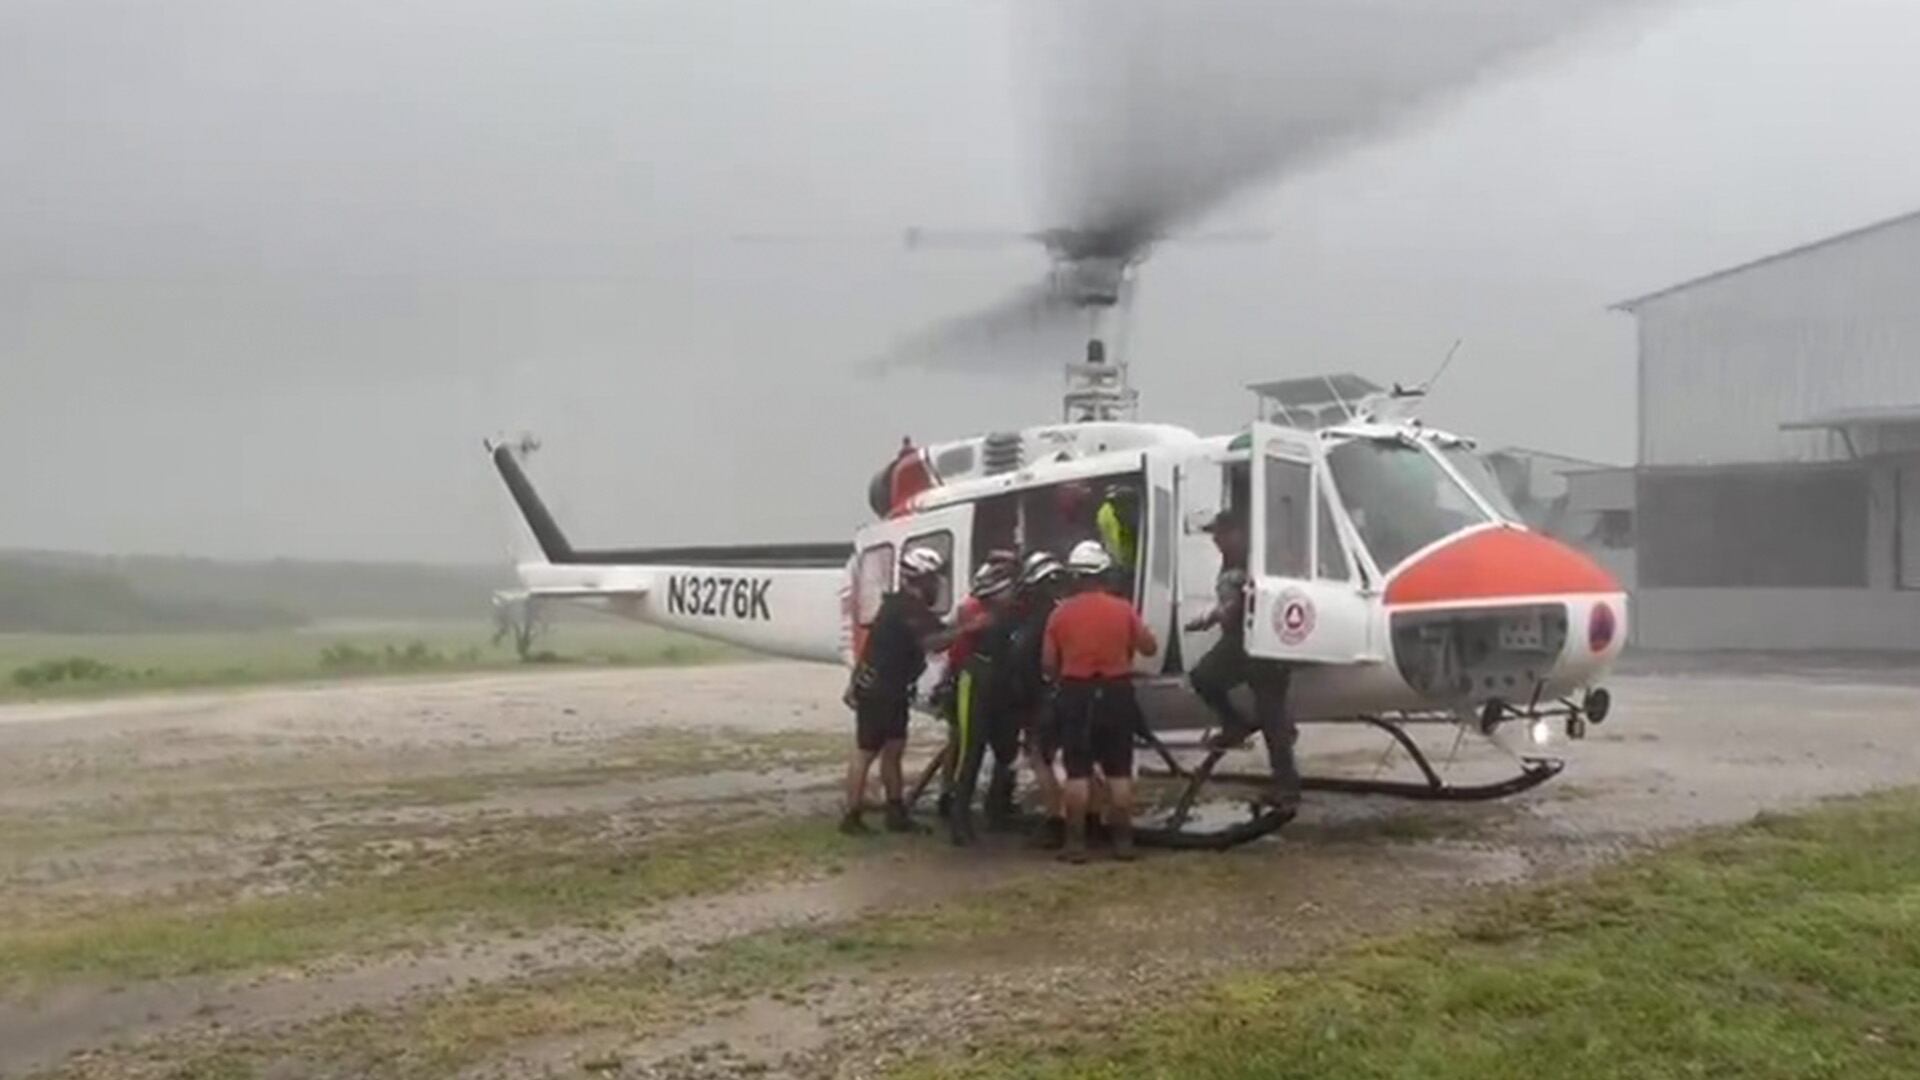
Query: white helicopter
1385,561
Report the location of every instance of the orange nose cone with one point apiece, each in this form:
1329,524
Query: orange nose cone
1496,563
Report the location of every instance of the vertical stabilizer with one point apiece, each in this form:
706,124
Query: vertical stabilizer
546,532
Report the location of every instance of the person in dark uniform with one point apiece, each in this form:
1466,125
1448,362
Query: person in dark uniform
1091,640
982,721
969,622
1041,578
904,631
1227,665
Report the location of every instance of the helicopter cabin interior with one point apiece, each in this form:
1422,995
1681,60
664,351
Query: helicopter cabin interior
1330,514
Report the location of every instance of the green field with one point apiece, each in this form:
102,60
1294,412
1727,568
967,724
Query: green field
64,665
1787,948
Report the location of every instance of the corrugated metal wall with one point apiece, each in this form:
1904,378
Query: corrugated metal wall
1724,363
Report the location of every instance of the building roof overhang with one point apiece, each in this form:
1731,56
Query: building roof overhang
1863,416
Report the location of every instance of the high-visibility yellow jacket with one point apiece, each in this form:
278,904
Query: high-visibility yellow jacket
1117,536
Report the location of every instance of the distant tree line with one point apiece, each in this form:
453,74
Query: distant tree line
60,592
35,597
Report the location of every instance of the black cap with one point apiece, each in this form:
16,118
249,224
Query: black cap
1223,520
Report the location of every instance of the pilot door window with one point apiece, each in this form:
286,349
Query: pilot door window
872,580
1289,489
942,543
1238,490
1329,555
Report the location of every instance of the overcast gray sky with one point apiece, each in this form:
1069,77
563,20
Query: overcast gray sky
270,271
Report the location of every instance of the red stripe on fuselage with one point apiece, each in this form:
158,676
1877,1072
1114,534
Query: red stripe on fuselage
1495,563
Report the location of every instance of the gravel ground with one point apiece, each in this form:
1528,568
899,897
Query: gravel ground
1691,744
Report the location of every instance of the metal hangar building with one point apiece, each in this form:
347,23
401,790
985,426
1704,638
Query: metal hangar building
1776,500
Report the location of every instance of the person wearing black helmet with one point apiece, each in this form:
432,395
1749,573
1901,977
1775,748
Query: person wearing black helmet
880,690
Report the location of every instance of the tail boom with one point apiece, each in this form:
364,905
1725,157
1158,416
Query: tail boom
782,599
788,612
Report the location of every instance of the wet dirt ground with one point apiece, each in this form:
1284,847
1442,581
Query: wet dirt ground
225,799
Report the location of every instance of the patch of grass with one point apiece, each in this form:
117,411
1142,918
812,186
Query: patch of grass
1786,948
517,878
441,1037
90,665
151,774
311,821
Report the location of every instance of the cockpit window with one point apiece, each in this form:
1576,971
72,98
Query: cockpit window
1480,476
1399,498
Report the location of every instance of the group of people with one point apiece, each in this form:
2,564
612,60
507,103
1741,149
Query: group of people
1039,666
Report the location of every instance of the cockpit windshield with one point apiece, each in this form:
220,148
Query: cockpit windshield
1399,497
1479,475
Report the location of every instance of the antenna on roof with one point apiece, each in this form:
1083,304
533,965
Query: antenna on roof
1452,351
1426,388
1398,404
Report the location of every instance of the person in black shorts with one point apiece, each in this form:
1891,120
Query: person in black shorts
1091,639
1027,690
880,691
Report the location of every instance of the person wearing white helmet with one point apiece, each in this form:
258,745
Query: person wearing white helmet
904,630
1042,575
979,720
1091,640
968,623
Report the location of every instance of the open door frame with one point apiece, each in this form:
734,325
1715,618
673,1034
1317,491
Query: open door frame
1293,613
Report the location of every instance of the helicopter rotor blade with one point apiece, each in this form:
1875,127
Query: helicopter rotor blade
1017,332
1156,111
963,239
1220,237
814,239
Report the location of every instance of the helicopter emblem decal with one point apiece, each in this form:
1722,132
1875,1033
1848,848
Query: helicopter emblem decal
1293,617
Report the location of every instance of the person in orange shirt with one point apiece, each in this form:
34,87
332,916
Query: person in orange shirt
1091,640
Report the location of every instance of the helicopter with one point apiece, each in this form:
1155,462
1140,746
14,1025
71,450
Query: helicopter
1385,563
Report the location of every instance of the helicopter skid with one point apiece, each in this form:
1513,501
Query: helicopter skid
1198,822
1183,828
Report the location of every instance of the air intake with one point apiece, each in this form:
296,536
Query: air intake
1000,453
